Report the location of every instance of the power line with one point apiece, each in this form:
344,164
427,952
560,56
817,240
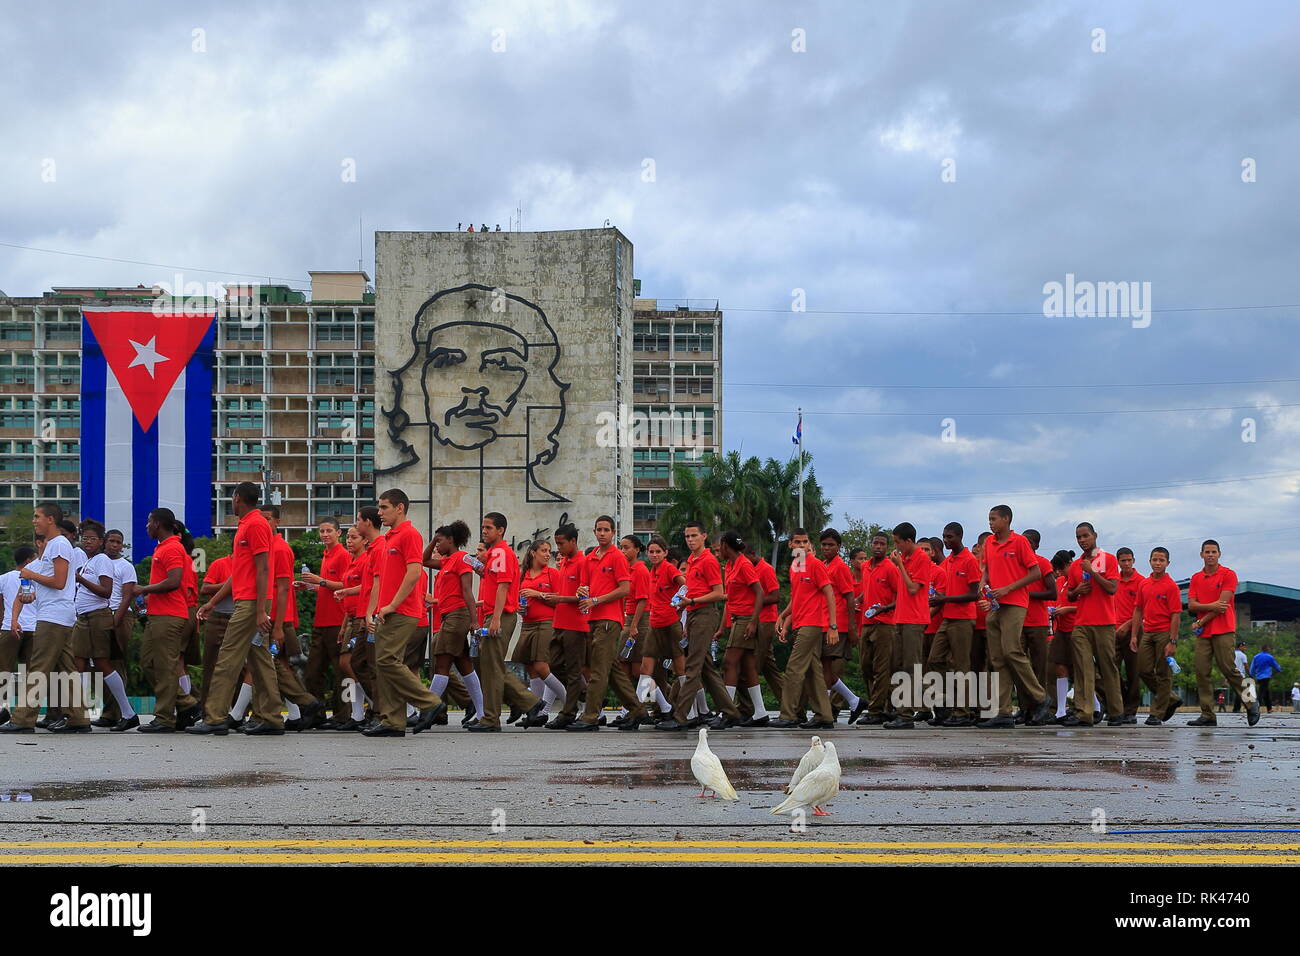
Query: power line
1021,412
155,265
1003,493
943,388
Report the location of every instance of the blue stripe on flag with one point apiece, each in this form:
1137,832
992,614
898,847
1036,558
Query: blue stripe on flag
94,411
144,486
198,436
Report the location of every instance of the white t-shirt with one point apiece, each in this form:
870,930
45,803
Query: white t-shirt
101,565
123,571
1239,658
9,585
54,606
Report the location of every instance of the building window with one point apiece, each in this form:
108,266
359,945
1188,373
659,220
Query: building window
16,333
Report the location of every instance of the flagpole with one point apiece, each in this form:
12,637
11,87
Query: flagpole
801,467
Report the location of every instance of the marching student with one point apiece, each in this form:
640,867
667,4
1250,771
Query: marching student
1126,592
1093,578
911,615
1212,601
1034,634
1010,566
811,614
351,633
664,641
764,657
395,603
704,592
570,623
50,654
123,575
363,654
960,576
92,636
744,596
834,655
537,634
979,651
1153,635
933,547
214,628
453,590
324,676
19,623
245,638
636,617
1059,651
498,598
305,711
167,630
881,583
608,584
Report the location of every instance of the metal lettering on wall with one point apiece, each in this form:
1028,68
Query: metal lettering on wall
481,379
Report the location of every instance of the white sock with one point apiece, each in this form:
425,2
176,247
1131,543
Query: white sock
185,683
555,685
839,687
662,701
294,712
439,683
242,701
756,698
114,683
644,684
622,712
535,685
475,690
1096,704
731,693
1062,688
358,706
701,702
411,710
547,697
690,714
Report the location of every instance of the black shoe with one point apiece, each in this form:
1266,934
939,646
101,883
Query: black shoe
515,714
441,719
900,723
155,727
1019,717
263,730
670,724
620,721
44,722
1117,721
817,725
996,723
1171,710
921,716
412,720
1203,722
755,722
782,724
871,720
220,728
649,720
348,725
9,727
63,727
4,715
580,726
693,722
55,724
601,722
958,722
295,724
723,722
1043,714
1153,721
559,723
936,721
535,720
1252,715
383,730
100,721
1130,718
126,723
479,727
533,713
631,727
313,715
1070,720
470,713
188,717
427,717
859,710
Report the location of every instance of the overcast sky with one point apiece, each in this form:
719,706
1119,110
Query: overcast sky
217,140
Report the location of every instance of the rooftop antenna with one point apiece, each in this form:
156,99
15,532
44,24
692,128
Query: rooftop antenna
361,244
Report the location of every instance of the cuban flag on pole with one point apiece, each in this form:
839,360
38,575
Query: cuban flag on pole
797,438
146,419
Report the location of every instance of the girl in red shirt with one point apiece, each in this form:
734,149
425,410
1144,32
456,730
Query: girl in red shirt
1058,651
537,580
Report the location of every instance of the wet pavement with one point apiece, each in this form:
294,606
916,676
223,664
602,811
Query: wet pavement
902,789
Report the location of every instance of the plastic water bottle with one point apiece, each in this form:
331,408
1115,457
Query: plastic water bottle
873,610
523,604
1196,631
474,562
258,640
993,602
1087,576
713,650
584,591
352,643
668,664
370,637
476,640
684,642
934,592
1173,665
305,569
679,597
274,649
625,654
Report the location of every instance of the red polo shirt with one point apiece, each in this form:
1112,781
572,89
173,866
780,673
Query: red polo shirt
403,546
1036,616
1205,589
1096,608
446,586
282,567
499,564
841,576
1159,600
703,574
352,579
640,591
807,603
604,574
1007,562
663,585
547,581
915,608
1064,622
881,583
740,580
767,578
1126,595
572,573
960,572
252,537
169,555
333,567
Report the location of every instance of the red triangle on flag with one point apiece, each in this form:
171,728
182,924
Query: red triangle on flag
147,352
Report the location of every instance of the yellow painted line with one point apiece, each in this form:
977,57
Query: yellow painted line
809,844
99,859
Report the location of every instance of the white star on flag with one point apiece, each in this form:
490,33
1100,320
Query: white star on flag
147,356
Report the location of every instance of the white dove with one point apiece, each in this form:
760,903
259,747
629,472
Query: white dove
810,762
820,786
708,770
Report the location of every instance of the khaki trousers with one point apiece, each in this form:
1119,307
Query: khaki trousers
606,638
160,656
768,669
1007,659
323,660
1130,685
1154,671
701,673
950,653
214,632
236,649
287,680
51,656
363,662
497,682
572,647
1089,642
395,685
908,639
879,637
803,676
1034,640
1216,650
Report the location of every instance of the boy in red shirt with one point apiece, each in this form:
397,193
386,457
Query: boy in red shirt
1126,593
1212,597
846,611
811,614
305,711
1093,579
950,651
911,616
570,623
498,596
1153,632
881,583
323,671
1010,566
1035,632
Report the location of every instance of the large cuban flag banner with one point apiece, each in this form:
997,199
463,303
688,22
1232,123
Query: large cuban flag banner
146,419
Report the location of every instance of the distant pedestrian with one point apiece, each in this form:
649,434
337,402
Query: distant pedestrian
1239,658
1263,668
1295,698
